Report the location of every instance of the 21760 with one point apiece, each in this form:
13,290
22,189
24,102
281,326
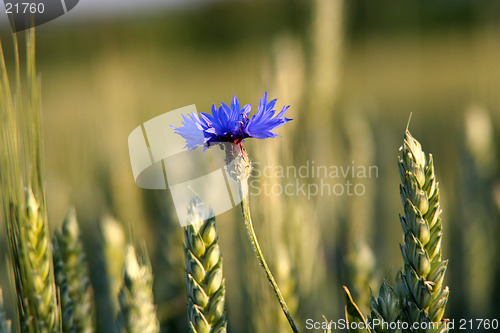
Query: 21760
24,8
477,324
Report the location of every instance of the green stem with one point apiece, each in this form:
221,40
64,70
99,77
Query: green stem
245,209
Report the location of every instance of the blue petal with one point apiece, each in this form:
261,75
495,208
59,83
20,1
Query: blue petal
193,131
262,124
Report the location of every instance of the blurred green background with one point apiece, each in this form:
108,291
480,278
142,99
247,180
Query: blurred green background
352,71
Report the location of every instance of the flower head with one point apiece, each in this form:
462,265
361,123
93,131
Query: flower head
231,124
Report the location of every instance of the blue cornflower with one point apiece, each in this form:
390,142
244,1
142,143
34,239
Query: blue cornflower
231,124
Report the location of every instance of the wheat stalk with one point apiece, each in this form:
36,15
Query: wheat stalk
421,280
204,279
75,268
5,324
137,310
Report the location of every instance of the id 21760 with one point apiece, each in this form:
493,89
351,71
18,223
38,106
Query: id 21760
24,8
473,324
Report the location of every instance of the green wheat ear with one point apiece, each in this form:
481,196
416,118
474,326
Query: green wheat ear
137,310
39,266
419,295
204,279
5,324
65,302
385,308
421,280
31,256
75,269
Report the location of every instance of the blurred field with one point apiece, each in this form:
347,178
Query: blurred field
353,72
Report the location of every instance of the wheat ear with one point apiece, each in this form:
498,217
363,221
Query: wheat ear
385,309
114,242
421,279
204,279
65,302
31,255
76,270
137,310
40,274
